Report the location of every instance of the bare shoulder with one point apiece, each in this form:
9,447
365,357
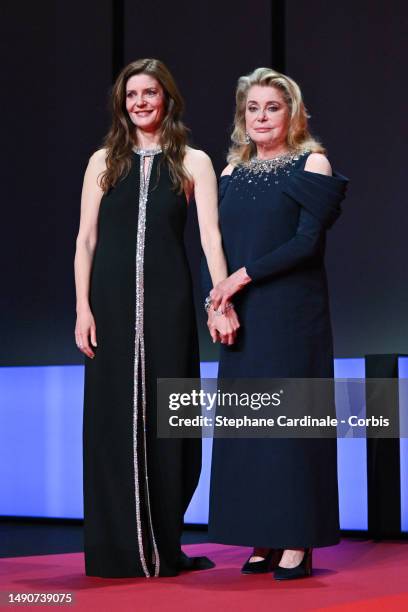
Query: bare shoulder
97,160
197,158
317,162
228,170
198,164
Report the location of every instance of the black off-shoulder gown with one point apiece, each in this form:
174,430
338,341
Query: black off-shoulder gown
137,487
277,492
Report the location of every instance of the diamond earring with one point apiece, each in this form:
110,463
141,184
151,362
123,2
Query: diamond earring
247,139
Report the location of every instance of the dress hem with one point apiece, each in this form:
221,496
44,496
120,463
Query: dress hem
268,544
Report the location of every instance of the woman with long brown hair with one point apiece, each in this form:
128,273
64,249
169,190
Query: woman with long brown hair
136,323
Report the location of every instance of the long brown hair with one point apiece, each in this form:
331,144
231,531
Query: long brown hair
298,137
120,138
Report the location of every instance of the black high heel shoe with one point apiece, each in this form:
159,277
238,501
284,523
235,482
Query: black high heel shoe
266,565
193,564
300,571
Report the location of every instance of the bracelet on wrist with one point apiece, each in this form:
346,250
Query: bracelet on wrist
207,303
208,306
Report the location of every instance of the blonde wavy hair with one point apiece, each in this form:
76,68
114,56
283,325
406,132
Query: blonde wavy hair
299,138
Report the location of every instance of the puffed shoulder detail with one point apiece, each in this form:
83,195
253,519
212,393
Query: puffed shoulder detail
320,194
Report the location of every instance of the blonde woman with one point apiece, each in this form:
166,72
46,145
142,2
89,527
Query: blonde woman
136,323
278,198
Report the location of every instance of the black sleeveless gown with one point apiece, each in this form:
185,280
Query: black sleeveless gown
137,487
277,492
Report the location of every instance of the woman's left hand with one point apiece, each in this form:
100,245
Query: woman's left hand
223,327
224,291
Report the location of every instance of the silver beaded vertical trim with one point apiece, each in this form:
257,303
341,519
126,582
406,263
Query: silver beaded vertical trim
139,361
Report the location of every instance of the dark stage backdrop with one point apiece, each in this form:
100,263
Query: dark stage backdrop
348,57
60,59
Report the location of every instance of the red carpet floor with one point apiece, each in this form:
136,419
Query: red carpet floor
353,576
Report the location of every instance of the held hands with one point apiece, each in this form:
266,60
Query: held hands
224,291
223,327
85,328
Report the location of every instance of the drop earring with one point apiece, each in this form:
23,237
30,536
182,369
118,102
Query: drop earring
247,139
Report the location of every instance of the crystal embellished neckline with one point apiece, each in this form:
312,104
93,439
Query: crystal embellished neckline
147,152
259,166
288,156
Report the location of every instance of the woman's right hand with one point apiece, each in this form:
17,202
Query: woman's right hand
223,327
85,332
